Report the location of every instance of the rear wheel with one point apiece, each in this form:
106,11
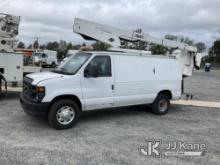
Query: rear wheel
161,104
63,114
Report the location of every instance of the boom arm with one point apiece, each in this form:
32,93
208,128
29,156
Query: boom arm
186,54
8,31
114,36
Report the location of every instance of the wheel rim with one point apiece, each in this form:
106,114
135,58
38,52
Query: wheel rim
65,115
163,105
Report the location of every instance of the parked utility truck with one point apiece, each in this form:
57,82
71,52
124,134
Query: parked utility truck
91,80
45,58
11,63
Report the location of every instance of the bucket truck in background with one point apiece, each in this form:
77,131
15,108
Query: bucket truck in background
11,63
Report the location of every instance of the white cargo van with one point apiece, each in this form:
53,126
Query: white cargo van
100,80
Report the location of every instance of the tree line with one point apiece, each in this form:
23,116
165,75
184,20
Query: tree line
62,46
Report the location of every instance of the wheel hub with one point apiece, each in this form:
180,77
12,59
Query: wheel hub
163,105
65,115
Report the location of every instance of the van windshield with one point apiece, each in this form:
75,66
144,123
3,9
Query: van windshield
73,64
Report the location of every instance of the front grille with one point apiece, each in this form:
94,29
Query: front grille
27,87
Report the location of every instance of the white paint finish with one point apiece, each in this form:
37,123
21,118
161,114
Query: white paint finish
46,57
133,80
62,85
97,92
136,80
12,64
168,76
31,69
114,37
43,76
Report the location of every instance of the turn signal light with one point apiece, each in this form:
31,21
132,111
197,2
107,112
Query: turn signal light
40,89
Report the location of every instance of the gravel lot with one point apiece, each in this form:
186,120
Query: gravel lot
113,136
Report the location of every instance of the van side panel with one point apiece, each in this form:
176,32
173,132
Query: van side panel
168,76
139,79
134,79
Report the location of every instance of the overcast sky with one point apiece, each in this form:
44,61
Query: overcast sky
53,19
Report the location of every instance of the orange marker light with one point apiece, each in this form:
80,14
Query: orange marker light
40,89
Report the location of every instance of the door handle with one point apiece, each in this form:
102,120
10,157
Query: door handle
113,87
154,70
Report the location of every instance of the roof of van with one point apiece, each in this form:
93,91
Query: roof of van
128,54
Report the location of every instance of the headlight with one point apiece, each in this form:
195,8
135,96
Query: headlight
40,93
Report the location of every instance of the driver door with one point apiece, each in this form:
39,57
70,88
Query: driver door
98,91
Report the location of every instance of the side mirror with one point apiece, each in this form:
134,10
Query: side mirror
91,72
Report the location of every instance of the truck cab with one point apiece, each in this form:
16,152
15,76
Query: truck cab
100,80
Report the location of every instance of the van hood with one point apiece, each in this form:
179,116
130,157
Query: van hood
43,76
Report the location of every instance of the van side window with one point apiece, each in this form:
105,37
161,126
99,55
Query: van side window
103,65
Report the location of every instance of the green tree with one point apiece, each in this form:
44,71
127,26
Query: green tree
100,46
171,37
140,45
36,44
84,44
158,49
53,45
201,47
21,45
182,39
69,46
30,46
215,50
62,45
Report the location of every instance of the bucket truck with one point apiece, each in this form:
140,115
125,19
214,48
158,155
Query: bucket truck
90,80
187,56
11,63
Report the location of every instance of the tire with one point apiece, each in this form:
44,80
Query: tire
63,114
161,104
53,65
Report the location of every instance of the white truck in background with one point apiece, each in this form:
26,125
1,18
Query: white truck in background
45,58
90,80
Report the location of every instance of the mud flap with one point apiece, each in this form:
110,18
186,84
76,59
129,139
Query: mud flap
185,96
2,78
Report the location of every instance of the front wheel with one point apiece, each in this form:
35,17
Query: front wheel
161,104
63,114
